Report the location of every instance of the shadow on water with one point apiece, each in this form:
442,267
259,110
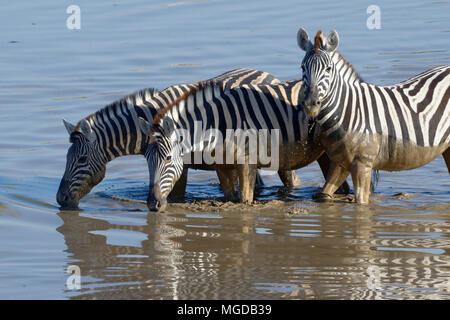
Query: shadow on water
332,252
289,247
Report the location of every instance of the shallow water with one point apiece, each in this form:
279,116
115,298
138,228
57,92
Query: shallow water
395,248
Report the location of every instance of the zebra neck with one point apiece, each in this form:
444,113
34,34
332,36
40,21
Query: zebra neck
117,130
342,100
195,134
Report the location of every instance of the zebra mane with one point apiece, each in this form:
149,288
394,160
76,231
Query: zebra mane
348,65
160,115
317,41
318,44
127,101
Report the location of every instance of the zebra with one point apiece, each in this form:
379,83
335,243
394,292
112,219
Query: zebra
113,131
217,110
365,126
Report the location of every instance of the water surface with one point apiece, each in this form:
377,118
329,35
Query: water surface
395,248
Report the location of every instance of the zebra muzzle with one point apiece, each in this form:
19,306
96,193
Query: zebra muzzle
312,102
65,199
155,201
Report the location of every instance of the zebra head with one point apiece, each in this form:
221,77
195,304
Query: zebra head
317,68
164,159
85,167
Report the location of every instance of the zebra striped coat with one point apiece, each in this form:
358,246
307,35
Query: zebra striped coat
274,108
114,131
365,126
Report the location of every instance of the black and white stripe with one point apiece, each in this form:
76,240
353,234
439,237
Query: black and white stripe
365,126
116,125
113,131
416,111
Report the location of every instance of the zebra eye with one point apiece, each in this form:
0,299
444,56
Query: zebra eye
169,157
82,159
328,69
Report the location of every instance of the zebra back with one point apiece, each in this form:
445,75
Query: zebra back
415,111
116,126
276,106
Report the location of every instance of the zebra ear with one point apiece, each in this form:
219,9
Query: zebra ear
303,40
86,130
332,41
144,126
69,126
168,127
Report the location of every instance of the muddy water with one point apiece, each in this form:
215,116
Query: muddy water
285,246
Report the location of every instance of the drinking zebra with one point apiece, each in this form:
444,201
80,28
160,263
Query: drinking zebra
364,126
206,120
114,131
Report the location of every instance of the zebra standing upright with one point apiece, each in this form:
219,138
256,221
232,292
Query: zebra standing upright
364,126
214,111
114,131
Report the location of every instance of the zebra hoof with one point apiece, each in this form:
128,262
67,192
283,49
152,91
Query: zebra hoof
246,202
319,196
345,197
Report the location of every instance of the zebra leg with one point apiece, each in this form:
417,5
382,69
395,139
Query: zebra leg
335,177
228,182
247,177
446,156
289,178
179,189
324,164
361,176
